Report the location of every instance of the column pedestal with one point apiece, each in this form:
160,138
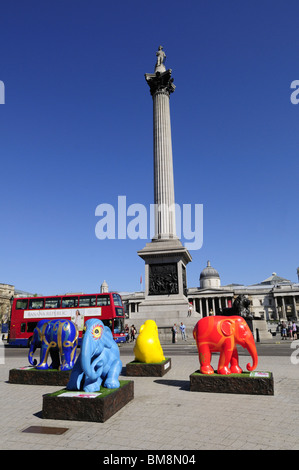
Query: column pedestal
166,299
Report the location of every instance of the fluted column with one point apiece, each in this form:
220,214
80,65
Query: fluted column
163,168
161,85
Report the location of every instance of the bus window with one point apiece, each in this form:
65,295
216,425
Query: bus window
103,300
108,323
23,327
36,304
52,303
21,304
69,302
117,300
88,301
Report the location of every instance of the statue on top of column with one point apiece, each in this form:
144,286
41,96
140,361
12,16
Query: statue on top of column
161,56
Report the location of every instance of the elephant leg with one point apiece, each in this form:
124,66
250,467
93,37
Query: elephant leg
113,373
92,385
204,353
76,378
235,368
224,360
73,354
54,354
44,352
66,361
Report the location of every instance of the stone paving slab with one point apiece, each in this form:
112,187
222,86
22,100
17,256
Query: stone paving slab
164,414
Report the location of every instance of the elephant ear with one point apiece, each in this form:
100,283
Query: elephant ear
107,338
227,327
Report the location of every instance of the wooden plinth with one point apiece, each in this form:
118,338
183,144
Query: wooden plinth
260,383
84,408
141,369
32,376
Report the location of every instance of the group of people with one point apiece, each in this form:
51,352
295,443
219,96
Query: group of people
288,330
174,331
131,333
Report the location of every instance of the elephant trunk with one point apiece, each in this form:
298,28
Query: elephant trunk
251,348
87,351
32,349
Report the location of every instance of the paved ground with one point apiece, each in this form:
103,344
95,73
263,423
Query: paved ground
164,414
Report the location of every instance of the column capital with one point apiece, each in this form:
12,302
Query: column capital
160,82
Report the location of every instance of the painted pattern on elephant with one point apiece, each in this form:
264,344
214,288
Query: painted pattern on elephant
59,338
99,360
223,334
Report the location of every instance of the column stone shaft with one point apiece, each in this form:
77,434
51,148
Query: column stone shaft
163,168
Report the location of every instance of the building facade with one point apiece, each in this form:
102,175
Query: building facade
7,292
274,299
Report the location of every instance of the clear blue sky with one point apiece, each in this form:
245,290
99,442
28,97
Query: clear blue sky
76,131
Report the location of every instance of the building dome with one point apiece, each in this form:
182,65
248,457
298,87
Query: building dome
104,287
209,277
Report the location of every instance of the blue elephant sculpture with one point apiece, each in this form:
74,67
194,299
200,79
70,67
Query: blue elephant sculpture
54,337
98,361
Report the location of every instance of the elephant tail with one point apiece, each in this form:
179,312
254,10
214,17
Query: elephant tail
194,332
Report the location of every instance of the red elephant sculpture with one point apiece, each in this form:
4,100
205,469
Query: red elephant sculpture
222,334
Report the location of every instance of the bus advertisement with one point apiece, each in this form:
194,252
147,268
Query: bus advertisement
26,312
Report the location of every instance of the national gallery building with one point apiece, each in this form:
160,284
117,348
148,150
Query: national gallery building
275,298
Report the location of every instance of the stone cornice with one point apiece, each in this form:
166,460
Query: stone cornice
160,82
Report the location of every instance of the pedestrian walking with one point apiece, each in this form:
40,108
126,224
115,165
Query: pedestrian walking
283,331
133,333
183,331
294,330
174,333
127,331
290,330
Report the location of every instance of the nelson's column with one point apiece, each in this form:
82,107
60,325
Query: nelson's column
165,257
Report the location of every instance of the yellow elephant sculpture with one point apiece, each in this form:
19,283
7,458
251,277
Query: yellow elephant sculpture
148,348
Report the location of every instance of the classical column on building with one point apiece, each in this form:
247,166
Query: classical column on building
165,257
284,312
276,308
295,307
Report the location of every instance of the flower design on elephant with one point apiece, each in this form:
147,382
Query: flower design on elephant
97,331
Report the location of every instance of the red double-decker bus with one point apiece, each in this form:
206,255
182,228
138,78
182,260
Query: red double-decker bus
28,311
